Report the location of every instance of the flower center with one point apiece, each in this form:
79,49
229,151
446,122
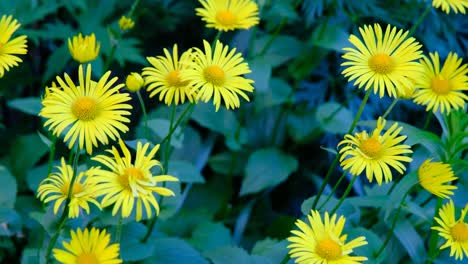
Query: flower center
87,258
131,175
85,108
440,86
77,188
459,232
381,63
371,147
328,249
214,75
173,79
226,18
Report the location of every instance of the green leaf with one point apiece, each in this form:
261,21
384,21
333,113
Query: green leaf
403,186
8,188
185,171
372,247
334,118
267,168
127,51
229,255
209,235
136,251
11,222
329,36
160,127
273,249
410,240
223,121
174,251
28,105
282,49
26,150
222,163
261,74
303,127
277,94
56,62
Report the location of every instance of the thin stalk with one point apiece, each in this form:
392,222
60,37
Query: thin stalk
132,10
389,109
145,115
392,228
333,190
217,37
285,259
420,20
345,194
118,232
273,37
63,217
433,251
51,155
187,110
165,170
335,161
428,120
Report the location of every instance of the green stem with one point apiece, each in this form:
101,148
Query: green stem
285,259
273,37
389,109
345,194
335,161
165,169
51,155
145,115
433,251
66,208
217,37
118,232
132,10
392,228
187,110
420,20
333,190
428,120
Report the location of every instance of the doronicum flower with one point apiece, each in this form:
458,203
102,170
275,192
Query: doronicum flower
125,184
321,241
163,77
10,48
225,15
56,187
454,231
88,247
84,49
442,89
433,177
217,74
455,5
126,23
93,111
383,61
375,153
134,82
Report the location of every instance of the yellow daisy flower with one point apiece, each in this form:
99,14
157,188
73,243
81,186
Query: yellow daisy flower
385,62
442,89
84,49
9,48
228,15
126,183
433,177
322,241
454,231
217,74
86,247
163,77
56,188
455,5
94,111
126,23
134,82
375,153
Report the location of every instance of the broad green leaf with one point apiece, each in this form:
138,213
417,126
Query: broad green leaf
174,251
303,127
373,244
160,127
403,186
277,93
261,74
136,251
8,188
209,235
185,171
223,162
410,240
229,255
273,249
223,121
11,222
329,36
267,168
127,51
171,203
282,49
28,105
56,62
26,150
334,118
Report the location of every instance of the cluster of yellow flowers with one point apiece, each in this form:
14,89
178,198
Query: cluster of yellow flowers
93,112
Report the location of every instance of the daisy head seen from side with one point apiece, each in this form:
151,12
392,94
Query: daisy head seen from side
9,48
375,153
217,74
225,15
322,241
129,182
84,49
436,178
383,61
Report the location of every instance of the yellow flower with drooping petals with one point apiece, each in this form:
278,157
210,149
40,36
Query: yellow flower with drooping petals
126,23
10,48
228,15
84,49
433,177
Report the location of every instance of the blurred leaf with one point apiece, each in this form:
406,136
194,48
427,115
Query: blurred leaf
8,188
235,255
282,49
334,118
28,105
161,128
277,93
171,203
329,36
261,74
185,171
208,236
57,31
373,245
267,168
403,186
222,163
223,121
136,251
26,150
303,126
410,240
174,251
273,249
312,9
127,51
10,221
33,256
56,62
